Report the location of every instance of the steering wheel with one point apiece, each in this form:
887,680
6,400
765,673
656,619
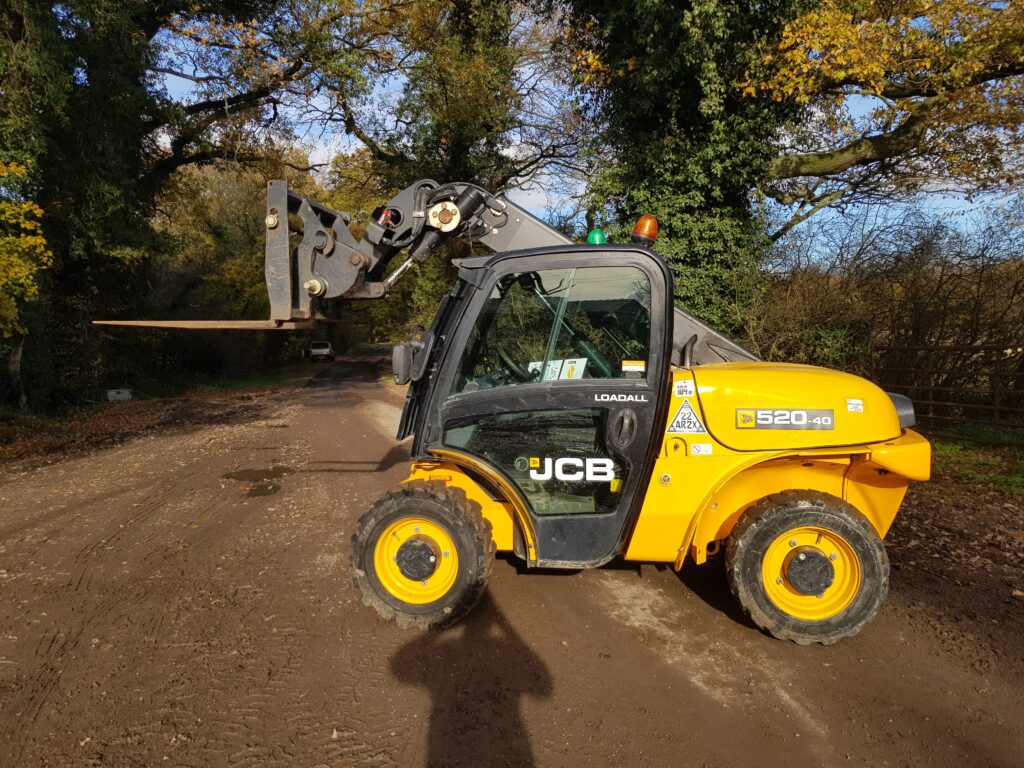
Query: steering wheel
512,366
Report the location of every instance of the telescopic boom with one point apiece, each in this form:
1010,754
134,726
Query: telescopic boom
314,264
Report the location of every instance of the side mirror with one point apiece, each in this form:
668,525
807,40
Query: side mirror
401,363
409,360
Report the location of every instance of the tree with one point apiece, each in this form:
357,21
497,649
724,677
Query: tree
483,98
106,101
683,143
457,89
895,98
23,252
23,255
902,296
78,101
479,96
707,107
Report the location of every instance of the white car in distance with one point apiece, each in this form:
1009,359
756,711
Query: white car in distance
321,350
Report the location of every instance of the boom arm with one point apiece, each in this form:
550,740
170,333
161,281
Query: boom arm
310,281
329,266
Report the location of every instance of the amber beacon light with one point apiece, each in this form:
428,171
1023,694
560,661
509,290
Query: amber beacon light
646,231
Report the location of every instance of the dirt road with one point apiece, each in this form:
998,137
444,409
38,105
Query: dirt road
184,598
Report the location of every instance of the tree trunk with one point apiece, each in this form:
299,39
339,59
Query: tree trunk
14,369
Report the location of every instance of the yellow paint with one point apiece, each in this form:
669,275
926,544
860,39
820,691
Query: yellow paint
875,492
909,455
845,566
502,514
734,497
407,590
730,394
695,498
694,501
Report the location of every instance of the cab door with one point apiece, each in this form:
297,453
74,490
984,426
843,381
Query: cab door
556,379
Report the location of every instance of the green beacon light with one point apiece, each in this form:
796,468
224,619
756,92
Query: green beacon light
596,237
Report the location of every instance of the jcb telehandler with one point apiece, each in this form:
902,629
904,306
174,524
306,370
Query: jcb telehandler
563,409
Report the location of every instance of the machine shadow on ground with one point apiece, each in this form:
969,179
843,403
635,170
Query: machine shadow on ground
477,674
708,582
396,456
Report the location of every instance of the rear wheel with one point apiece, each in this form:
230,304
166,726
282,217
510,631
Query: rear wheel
422,555
807,567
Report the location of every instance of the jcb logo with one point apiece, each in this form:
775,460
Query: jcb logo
591,470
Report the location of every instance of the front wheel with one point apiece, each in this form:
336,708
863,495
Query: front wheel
422,555
807,567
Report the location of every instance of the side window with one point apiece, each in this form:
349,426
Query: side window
559,460
560,324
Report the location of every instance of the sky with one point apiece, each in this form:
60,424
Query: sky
542,201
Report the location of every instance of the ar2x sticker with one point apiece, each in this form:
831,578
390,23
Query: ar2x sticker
785,418
686,421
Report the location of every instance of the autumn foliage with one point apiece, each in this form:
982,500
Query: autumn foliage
149,129
23,252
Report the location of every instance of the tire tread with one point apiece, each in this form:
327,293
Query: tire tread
759,515
468,515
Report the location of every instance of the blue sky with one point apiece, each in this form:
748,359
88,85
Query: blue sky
957,210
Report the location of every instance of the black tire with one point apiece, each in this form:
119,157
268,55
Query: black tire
768,521
460,518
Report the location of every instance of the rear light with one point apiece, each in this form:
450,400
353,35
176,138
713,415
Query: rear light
646,231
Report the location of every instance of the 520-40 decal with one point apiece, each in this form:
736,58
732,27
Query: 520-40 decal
785,418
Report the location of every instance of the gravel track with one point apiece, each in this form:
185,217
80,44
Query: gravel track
182,597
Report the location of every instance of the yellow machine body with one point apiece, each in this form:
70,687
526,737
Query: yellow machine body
736,433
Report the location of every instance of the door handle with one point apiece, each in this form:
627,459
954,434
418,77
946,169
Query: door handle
624,428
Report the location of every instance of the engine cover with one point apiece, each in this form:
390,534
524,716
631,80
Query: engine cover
768,406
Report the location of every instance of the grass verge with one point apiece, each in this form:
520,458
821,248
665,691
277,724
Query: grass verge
1001,468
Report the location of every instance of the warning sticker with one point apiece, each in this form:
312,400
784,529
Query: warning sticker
555,370
854,405
573,368
685,388
687,421
700,449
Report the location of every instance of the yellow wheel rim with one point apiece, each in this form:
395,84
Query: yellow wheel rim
416,531
813,540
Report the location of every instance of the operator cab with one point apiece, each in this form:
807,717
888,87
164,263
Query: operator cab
548,369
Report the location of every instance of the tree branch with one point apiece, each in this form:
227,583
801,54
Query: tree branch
185,76
352,128
864,151
225,104
926,88
803,215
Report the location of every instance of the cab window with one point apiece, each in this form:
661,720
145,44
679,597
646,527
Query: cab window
560,325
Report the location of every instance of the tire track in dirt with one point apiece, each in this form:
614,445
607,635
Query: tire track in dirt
716,668
210,627
109,527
